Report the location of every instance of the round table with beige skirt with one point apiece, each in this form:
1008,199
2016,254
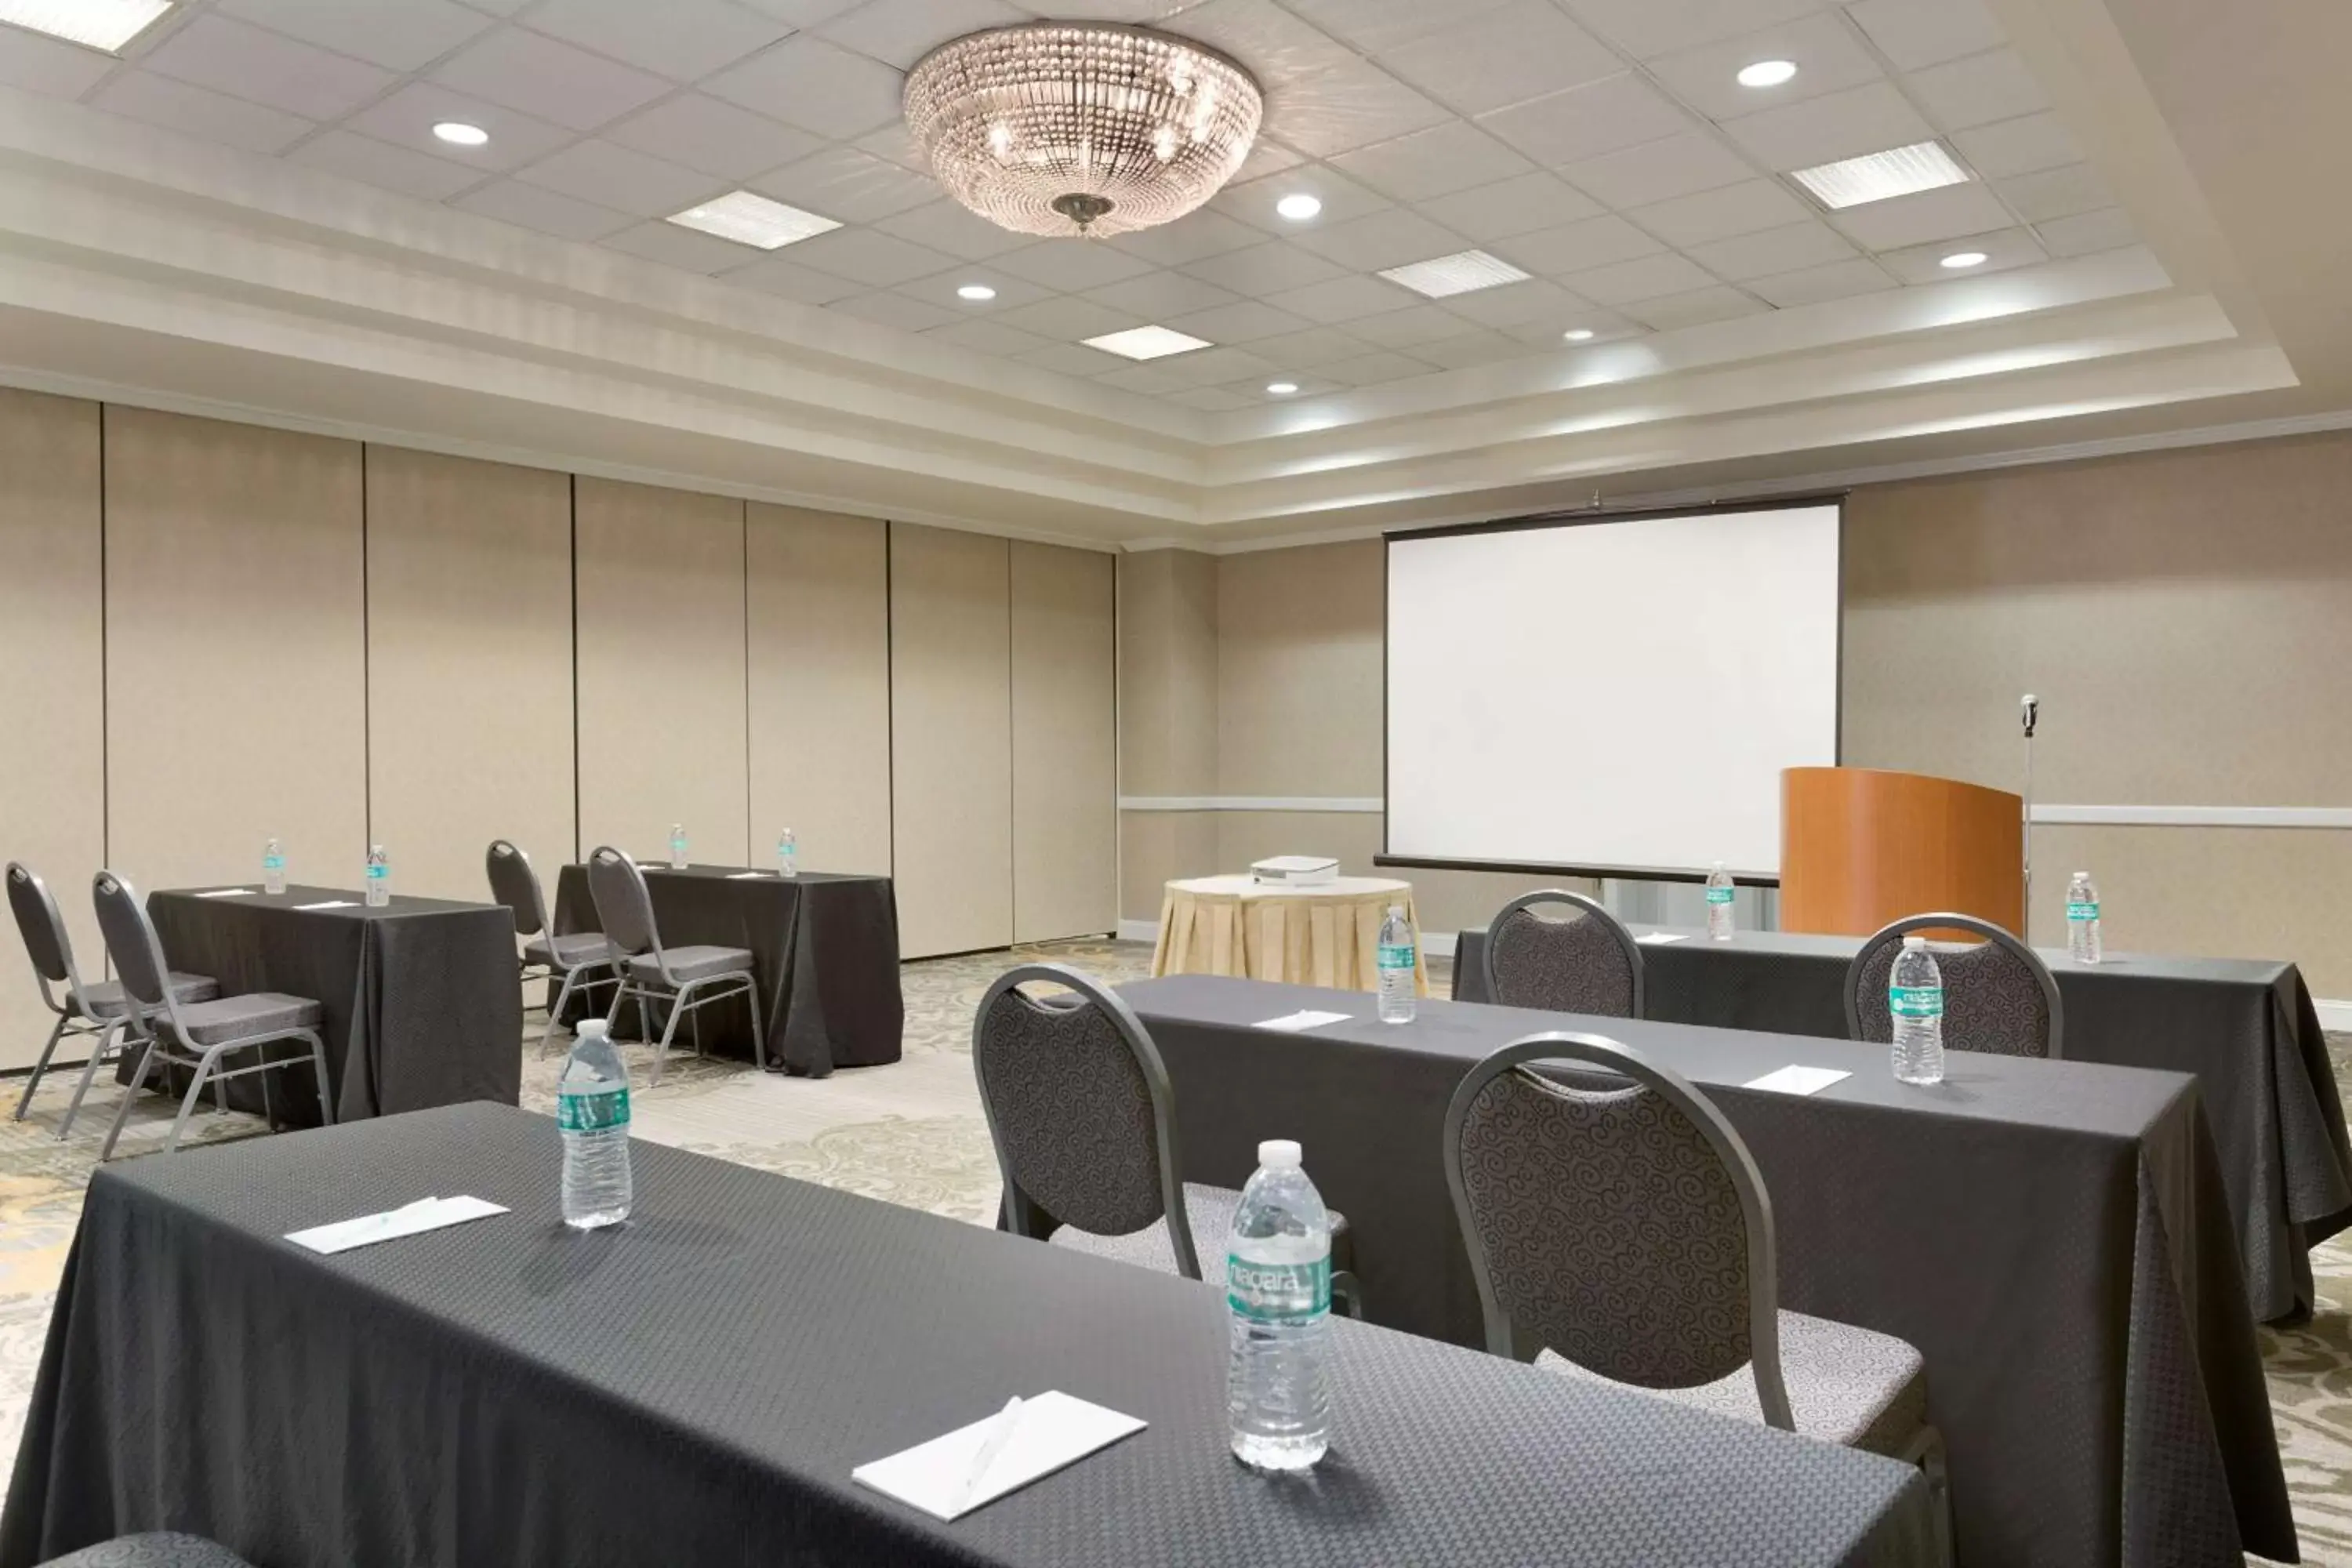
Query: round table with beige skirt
1323,934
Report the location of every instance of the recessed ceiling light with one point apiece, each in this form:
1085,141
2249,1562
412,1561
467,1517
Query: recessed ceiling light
1147,342
461,133
1299,206
1282,388
1578,334
1959,259
749,218
1456,274
1767,73
101,24
975,291
1875,176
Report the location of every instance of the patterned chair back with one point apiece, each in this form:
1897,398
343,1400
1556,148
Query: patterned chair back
1079,1106
1587,962
1998,997
1614,1217
624,908
43,929
131,941
514,884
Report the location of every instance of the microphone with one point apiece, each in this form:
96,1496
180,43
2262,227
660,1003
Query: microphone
2029,711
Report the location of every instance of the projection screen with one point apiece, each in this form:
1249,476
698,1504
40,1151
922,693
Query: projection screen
1610,695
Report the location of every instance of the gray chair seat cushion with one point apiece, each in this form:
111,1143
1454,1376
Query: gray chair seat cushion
1211,1210
162,1550
569,952
692,964
1846,1385
108,1000
255,1013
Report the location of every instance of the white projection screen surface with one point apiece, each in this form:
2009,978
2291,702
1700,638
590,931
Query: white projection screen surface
1616,696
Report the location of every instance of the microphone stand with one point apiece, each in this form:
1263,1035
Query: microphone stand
2030,714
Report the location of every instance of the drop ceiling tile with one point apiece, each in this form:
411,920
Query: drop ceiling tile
897,143
1374,25
1845,124
615,176
1828,58
267,68
1266,156
1811,243
781,275
1426,324
1644,278
1917,33
1511,207
900,32
1262,269
848,185
1648,29
1247,321
46,66
1012,293
1343,299
549,211
1552,334
1924,263
1253,201
810,83
1073,320
1350,103
1585,121
2089,232
1524,50
987,337
551,79
1467,350
874,258
1151,380
1311,347
2055,192
398,34
1157,296
1444,159
2020,146
498,7
1372,369
1922,217
1577,247
801,13
413,173
1514,304
1813,285
200,112
406,118
711,137
945,224
1658,171
1695,308
1722,212
1214,399
1072,264
676,246
1193,237
1072,359
1212,366
1961,94
1383,240
886,308
682,39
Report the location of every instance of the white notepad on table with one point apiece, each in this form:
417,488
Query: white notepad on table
1306,1019
749,876
1660,938
410,1219
1795,1080
227,893
1050,1432
328,904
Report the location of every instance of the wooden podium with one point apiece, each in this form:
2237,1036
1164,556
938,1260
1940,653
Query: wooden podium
1861,847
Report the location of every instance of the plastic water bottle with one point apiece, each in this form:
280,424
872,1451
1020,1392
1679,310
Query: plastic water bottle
273,867
1915,994
1719,890
1279,1296
677,845
379,878
1400,989
2083,920
591,1109
788,849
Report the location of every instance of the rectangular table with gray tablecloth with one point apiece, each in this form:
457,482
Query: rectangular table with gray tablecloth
2246,1028
2050,1235
694,1387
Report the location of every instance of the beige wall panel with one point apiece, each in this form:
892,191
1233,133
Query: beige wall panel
236,651
1168,673
52,685
1064,743
1157,847
660,577
820,728
1299,670
951,729
469,666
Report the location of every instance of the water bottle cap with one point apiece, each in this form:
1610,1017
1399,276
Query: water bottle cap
2082,876
1279,1153
589,1029
1914,941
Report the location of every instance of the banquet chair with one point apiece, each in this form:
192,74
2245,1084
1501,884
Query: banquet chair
1588,962
685,977
583,961
1998,997
197,1035
1617,1224
160,1548
84,1010
1083,1118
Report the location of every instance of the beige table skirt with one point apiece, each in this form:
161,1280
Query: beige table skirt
1327,934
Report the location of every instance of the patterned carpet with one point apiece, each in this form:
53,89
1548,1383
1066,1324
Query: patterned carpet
914,1134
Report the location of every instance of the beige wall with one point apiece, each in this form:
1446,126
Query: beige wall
1064,743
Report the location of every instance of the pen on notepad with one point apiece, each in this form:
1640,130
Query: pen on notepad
992,1448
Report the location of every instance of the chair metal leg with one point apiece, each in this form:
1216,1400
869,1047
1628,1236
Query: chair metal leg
555,1011
41,1066
89,1072
759,1036
195,1092
319,1065
1347,1294
129,1099
670,1027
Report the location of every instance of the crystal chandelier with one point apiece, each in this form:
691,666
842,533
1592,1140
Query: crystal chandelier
1083,128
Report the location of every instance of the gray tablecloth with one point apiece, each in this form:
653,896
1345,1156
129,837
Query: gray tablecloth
694,1389
2050,1235
422,1005
2247,1029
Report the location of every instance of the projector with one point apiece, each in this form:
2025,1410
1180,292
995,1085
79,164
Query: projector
1295,870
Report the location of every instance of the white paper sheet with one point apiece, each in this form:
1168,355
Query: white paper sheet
749,876
227,893
1309,1019
1794,1080
1660,938
424,1213
1053,1430
329,904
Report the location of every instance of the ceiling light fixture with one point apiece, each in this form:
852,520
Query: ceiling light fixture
749,218
1767,73
1147,342
458,133
1081,128
1460,273
1578,334
1282,388
1299,206
1960,259
1875,177
98,24
975,292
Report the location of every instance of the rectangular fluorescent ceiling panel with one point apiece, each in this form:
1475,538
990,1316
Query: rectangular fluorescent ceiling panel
101,24
1147,342
1458,274
748,218
1873,177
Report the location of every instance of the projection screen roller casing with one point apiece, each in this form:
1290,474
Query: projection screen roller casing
1610,695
